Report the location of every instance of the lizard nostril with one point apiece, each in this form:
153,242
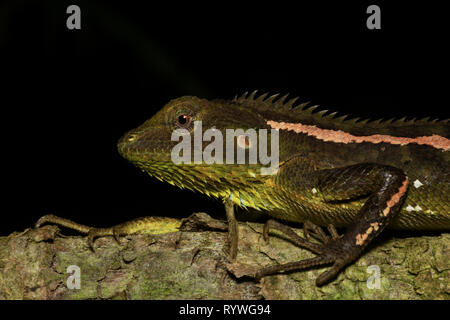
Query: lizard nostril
131,138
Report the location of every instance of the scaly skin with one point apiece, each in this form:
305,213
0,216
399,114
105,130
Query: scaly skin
364,176
289,195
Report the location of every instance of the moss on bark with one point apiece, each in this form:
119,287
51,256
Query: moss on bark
193,265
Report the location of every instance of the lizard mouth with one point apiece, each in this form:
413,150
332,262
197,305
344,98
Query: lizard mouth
139,149
137,155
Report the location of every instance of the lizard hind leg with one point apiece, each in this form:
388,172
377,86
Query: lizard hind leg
386,188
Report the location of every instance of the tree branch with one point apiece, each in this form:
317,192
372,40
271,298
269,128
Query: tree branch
193,265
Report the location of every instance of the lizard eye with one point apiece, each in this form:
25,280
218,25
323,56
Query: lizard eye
184,121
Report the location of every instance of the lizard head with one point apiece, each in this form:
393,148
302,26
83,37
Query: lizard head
181,145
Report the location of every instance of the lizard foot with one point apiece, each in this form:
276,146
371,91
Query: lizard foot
311,230
329,250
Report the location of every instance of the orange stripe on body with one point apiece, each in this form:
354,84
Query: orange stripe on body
340,136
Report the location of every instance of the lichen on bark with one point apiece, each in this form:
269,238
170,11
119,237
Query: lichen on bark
193,264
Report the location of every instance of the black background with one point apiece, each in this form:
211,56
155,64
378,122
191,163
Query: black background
68,95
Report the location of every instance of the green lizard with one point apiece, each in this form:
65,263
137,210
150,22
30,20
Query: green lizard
361,175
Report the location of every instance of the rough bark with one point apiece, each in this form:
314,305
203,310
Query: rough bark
193,265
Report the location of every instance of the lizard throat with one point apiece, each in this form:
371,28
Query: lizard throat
220,181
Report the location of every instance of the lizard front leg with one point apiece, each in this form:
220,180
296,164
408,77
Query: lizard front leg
385,188
232,228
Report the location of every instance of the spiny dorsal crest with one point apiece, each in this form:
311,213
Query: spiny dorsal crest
276,103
